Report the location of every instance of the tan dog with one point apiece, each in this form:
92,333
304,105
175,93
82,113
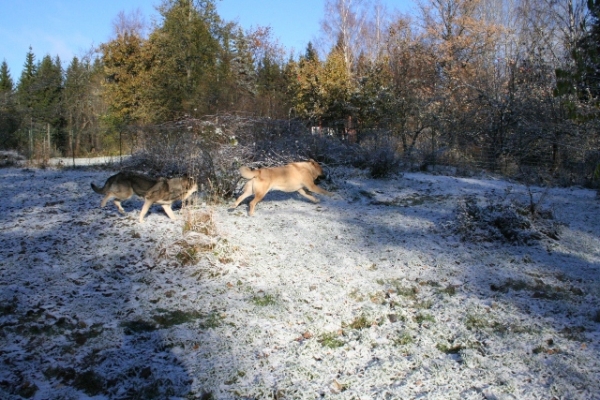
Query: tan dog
294,177
122,186
168,191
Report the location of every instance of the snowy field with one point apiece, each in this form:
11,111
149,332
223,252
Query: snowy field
369,294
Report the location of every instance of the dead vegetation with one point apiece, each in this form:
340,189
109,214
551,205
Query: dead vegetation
200,239
503,218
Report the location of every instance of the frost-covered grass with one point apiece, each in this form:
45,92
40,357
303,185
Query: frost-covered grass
369,294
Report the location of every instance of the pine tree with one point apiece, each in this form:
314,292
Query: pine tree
48,87
124,69
311,53
243,63
24,89
76,92
306,88
6,82
46,91
337,87
25,99
272,83
9,119
182,53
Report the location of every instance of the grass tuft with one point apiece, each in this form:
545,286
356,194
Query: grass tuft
423,318
330,340
360,322
403,339
264,300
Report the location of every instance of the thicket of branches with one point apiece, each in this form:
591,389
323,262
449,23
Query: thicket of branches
476,84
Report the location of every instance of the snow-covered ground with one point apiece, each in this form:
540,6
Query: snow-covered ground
368,295
78,162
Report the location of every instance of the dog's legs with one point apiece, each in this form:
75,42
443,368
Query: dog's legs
169,211
257,197
145,208
119,207
308,196
245,194
106,199
317,189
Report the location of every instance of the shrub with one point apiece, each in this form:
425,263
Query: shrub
379,155
500,220
10,158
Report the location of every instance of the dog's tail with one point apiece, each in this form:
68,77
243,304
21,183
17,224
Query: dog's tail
99,190
248,173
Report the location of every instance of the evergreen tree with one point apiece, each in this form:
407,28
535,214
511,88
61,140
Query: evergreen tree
182,53
76,92
306,88
243,63
272,83
337,88
373,99
48,87
311,53
9,120
25,100
6,82
124,68
24,87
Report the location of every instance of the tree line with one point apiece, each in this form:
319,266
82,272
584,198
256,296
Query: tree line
500,83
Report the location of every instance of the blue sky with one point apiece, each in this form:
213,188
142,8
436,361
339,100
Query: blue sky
69,28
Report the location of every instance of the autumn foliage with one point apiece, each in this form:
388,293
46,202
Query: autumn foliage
468,84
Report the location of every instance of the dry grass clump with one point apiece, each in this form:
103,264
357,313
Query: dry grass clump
199,222
201,239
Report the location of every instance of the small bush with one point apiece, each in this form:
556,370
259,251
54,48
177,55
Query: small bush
379,155
10,159
500,220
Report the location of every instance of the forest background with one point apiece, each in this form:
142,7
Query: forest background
508,86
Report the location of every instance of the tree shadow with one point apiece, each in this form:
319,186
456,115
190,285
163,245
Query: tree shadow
71,277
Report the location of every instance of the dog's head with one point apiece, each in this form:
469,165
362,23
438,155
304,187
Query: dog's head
318,170
190,183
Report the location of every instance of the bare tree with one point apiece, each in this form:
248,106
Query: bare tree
132,23
343,26
375,31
